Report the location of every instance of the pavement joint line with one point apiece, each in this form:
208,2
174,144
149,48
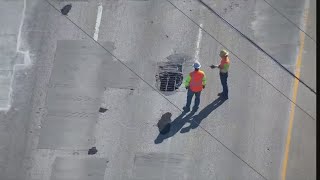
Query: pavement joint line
159,92
243,62
294,95
254,44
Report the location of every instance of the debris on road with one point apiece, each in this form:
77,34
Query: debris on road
92,151
102,110
65,10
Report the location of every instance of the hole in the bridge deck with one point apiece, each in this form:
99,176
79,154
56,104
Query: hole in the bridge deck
169,77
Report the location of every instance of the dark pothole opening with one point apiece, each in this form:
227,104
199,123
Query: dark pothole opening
169,76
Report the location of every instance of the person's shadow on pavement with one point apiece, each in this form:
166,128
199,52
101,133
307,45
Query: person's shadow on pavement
180,121
173,127
196,120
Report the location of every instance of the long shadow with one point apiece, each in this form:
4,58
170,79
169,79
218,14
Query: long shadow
175,126
194,121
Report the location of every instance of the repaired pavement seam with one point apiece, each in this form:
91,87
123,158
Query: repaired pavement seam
27,59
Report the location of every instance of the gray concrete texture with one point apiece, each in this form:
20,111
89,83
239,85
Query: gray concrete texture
8,47
81,169
241,138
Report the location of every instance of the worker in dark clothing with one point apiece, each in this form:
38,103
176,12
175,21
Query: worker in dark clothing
195,83
224,67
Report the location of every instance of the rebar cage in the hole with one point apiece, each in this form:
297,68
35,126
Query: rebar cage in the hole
169,77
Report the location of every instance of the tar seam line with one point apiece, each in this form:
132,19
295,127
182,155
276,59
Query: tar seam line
158,92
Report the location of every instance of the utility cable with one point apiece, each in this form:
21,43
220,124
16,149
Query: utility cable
157,91
257,46
242,61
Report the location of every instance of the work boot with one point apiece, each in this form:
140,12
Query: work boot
186,109
195,109
223,95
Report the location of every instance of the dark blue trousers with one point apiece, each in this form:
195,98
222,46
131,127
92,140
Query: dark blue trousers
224,83
190,95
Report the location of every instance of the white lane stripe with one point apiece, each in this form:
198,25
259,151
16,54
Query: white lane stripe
198,43
98,21
27,59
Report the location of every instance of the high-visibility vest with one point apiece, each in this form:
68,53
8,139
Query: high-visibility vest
196,82
224,65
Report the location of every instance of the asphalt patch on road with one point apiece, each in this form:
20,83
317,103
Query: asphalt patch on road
147,166
66,168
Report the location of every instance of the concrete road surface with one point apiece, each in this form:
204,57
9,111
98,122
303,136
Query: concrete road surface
71,94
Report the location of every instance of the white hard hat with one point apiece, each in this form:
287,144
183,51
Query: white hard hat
196,65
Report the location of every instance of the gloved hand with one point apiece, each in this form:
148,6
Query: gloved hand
213,66
203,86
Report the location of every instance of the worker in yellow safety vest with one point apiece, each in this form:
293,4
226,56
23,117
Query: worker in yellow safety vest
224,68
194,83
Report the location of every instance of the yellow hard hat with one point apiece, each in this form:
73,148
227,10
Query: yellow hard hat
224,53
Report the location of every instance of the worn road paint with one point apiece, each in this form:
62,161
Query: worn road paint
198,43
26,54
294,98
98,21
27,59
